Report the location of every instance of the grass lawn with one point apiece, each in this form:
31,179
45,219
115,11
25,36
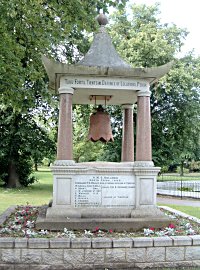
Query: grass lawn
177,177
37,194
190,210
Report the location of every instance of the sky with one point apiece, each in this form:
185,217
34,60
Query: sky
185,14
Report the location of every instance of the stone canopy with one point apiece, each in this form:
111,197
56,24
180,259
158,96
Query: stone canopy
102,72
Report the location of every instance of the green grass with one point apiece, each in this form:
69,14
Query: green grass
190,210
37,194
176,177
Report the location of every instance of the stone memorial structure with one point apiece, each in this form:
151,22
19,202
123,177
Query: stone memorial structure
105,194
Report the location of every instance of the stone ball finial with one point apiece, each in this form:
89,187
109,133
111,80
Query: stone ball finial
102,19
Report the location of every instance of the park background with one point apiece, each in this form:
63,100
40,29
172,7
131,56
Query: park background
62,31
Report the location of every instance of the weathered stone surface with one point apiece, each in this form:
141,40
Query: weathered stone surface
101,243
74,257
162,241
174,254
10,256
22,267
60,243
136,255
42,267
81,243
192,253
94,256
21,243
122,242
38,243
162,265
156,254
52,256
115,266
6,266
52,267
6,242
195,239
84,267
142,242
196,263
7,213
181,240
115,255
33,256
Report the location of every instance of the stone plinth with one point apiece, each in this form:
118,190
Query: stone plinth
109,195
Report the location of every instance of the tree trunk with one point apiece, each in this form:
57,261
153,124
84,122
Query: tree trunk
13,177
36,166
181,172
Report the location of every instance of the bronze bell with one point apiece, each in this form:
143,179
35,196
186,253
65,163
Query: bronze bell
100,127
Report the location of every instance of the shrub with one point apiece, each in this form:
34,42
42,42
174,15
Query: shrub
178,170
194,166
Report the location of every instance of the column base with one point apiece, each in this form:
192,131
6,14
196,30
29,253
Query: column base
64,163
143,163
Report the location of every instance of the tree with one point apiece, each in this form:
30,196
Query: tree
175,114
27,30
143,41
21,140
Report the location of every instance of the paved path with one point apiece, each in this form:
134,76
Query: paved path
178,201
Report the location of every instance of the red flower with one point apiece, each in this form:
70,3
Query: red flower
96,229
152,228
172,226
110,231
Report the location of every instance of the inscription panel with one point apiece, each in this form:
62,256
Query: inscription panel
104,191
104,83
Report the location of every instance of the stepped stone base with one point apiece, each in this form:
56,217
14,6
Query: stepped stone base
117,196
129,220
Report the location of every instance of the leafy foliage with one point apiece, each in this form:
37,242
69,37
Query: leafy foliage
175,111
21,139
56,28
143,41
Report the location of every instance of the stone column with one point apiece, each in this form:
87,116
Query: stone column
65,142
128,135
143,137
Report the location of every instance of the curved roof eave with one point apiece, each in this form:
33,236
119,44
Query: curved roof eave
56,69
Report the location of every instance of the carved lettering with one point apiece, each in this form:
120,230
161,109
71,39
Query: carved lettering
101,191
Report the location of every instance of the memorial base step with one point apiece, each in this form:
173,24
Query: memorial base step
135,221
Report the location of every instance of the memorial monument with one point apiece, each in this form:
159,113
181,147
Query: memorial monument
121,196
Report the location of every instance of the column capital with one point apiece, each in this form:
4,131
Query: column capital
66,90
127,106
142,93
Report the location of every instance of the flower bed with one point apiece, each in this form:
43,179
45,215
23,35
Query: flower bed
23,247
21,223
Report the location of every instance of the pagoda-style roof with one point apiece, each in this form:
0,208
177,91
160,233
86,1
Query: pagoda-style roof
102,53
101,60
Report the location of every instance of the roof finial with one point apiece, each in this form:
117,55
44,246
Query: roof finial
102,19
